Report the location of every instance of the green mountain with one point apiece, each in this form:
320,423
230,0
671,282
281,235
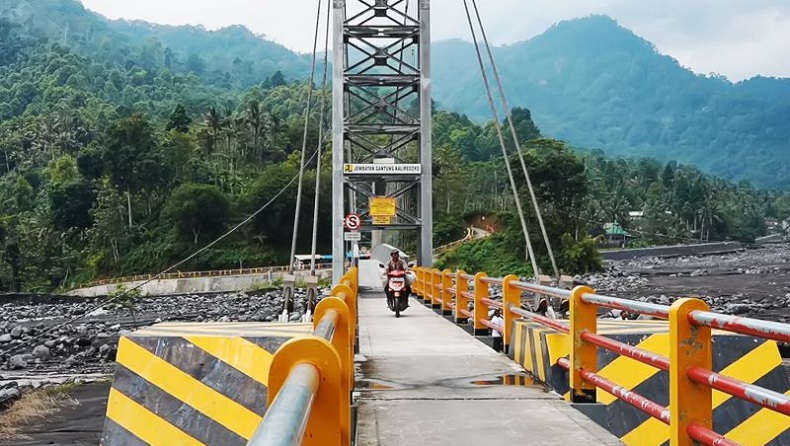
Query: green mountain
587,81
123,150
595,84
231,57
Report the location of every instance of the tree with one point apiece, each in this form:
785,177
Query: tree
108,234
257,121
197,209
134,160
71,204
275,80
196,64
214,122
525,127
179,120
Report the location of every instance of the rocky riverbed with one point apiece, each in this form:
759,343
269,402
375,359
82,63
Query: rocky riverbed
52,340
46,340
751,282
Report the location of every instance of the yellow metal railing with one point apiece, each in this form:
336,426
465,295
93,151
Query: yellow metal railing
691,380
311,377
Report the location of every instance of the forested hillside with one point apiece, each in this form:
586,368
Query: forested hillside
598,86
114,161
232,57
588,81
111,169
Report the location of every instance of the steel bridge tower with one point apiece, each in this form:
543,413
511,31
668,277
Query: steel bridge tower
381,103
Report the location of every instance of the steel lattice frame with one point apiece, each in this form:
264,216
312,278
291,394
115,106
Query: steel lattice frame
382,110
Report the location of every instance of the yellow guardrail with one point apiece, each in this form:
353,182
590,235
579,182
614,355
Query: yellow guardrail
689,364
311,377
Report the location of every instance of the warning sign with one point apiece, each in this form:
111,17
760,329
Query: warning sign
378,221
382,207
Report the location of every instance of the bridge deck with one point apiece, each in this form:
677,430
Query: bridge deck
424,381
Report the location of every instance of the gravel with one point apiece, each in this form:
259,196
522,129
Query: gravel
750,283
49,340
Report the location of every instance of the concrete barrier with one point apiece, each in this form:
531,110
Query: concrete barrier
672,251
193,383
773,238
201,284
752,360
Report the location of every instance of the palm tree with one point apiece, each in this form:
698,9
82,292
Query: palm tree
277,128
257,121
215,123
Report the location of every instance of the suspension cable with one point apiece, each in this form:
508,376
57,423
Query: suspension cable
515,140
530,252
304,140
320,142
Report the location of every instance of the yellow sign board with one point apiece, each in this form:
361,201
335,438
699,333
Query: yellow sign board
382,207
382,220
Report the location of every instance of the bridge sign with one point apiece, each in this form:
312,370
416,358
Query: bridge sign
382,169
352,222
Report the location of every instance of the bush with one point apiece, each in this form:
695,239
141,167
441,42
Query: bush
578,257
494,255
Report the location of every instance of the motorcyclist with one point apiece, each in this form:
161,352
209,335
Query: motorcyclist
396,264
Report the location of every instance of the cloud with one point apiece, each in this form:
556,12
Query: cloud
733,37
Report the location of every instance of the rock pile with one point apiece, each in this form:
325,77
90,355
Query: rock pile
46,338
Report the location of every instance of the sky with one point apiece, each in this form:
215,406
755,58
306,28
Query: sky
735,38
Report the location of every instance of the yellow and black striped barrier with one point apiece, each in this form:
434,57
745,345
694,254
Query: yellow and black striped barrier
690,376
752,360
208,383
193,384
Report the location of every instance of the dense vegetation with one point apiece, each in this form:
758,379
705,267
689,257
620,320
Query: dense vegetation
120,156
578,193
595,84
113,169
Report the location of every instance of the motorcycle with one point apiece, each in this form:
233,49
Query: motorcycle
397,291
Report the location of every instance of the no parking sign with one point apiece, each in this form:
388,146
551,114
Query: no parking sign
352,222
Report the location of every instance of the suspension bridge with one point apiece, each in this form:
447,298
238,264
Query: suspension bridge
357,375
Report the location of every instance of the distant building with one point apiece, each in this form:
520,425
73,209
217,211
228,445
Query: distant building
615,235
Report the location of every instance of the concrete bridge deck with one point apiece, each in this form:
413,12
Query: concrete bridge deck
428,382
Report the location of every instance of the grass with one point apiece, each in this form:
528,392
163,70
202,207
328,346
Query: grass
259,287
31,408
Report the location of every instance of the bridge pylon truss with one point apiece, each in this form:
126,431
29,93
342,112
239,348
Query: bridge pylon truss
382,121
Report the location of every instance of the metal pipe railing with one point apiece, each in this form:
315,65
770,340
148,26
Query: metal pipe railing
466,313
542,289
326,328
540,319
646,405
690,323
492,303
752,327
648,309
309,374
492,280
644,356
286,419
708,437
740,389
